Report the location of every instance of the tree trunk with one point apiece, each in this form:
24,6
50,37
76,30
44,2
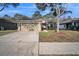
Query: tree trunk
57,29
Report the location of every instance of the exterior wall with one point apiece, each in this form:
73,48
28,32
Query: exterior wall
8,26
71,26
61,27
39,27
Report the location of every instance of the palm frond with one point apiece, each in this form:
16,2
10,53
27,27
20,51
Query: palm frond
6,5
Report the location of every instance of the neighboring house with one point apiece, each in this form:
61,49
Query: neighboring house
7,25
72,24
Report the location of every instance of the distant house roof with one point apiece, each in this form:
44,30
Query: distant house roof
21,17
71,20
67,21
2,20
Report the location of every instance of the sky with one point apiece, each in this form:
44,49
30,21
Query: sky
28,9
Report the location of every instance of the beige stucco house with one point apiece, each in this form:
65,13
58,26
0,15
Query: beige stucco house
29,25
33,25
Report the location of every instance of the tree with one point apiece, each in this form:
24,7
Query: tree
6,16
58,9
6,5
49,15
36,15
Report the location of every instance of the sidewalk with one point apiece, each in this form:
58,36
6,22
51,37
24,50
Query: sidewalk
59,48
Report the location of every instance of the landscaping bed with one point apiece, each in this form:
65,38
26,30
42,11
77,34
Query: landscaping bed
62,36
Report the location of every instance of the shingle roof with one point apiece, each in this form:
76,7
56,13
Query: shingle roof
70,21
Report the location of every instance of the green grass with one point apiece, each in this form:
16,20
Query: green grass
44,34
62,36
4,32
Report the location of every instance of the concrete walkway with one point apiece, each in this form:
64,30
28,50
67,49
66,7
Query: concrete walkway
59,48
19,44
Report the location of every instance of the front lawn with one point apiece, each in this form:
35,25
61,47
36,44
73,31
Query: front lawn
62,36
4,32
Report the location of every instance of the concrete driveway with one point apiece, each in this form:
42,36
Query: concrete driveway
19,44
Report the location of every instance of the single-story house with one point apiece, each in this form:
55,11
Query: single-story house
34,25
26,25
72,24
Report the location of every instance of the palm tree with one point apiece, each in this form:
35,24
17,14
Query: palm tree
58,9
6,5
